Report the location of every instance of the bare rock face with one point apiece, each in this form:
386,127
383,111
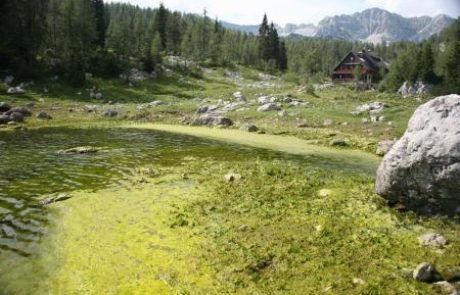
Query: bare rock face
422,169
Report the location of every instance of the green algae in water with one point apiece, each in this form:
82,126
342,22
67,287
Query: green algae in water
32,167
152,214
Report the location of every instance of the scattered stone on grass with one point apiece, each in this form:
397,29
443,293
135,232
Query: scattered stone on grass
432,239
232,177
269,107
44,116
384,147
426,272
249,128
338,142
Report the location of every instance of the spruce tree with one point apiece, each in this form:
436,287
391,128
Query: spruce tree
451,67
283,60
161,20
274,44
99,13
426,64
264,40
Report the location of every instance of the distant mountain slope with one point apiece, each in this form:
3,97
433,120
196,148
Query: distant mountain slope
372,25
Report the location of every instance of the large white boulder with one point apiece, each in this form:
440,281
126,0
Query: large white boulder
422,169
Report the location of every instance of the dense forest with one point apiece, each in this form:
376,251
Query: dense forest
69,38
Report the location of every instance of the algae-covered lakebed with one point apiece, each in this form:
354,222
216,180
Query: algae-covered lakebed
151,213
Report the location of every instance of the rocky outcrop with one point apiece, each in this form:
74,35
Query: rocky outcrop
409,89
422,169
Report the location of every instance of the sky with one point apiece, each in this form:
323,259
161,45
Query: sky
300,11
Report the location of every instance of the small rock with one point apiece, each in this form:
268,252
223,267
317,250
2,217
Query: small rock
425,272
4,107
212,120
239,96
328,122
324,192
358,281
55,199
384,147
16,90
79,150
432,239
4,119
231,177
263,100
373,107
44,116
99,95
269,107
249,128
244,227
338,142
90,108
16,117
110,113
445,288
282,113
22,110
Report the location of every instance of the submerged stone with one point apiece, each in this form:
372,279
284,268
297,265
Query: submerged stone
55,199
79,150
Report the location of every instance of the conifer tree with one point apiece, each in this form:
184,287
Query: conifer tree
274,43
161,20
264,40
99,13
426,64
283,60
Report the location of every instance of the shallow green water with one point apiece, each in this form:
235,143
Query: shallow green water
31,167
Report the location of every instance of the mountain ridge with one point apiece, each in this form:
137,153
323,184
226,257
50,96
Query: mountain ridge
372,25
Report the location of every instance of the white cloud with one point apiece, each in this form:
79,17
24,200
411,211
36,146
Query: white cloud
299,11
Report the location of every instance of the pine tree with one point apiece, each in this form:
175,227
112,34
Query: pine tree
426,64
161,20
22,31
274,43
174,31
264,40
99,13
451,67
78,25
283,60
155,50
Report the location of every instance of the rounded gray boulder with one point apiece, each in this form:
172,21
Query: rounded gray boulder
422,169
